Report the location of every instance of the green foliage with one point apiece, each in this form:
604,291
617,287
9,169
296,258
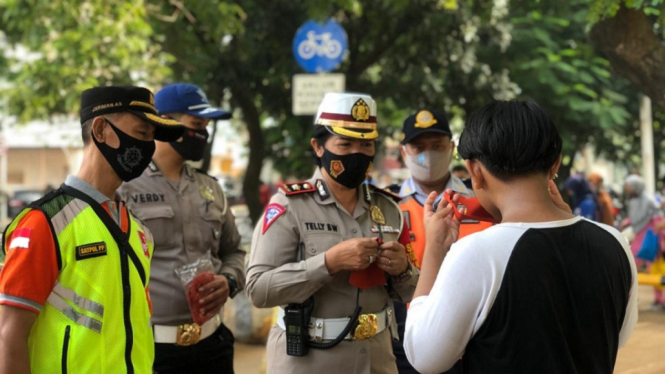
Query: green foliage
72,46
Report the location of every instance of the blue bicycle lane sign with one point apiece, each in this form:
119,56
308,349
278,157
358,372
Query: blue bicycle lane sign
319,48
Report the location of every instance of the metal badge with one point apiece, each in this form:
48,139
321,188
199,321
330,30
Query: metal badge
188,334
321,189
377,215
207,193
367,327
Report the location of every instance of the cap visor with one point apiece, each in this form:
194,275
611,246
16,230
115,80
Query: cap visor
214,113
425,131
351,134
166,130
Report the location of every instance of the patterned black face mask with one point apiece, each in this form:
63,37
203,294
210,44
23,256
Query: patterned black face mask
130,158
348,170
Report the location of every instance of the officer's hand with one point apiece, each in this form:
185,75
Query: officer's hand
352,254
392,258
217,292
441,228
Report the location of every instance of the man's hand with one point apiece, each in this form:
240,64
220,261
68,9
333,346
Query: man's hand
392,258
352,254
217,292
441,228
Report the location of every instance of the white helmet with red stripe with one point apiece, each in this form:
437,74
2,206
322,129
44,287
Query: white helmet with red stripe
349,115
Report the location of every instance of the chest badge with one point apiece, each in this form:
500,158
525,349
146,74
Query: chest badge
377,215
207,193
90,251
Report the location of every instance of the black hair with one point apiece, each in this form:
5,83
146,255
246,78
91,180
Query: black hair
321,135
459,168
511,139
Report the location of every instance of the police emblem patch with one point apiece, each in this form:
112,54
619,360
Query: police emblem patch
360,110
207,193
273,211
336,168
425,119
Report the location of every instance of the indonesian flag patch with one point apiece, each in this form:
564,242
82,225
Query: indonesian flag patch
21,238
144,243
273,211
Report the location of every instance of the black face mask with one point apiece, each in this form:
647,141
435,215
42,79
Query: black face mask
348,170
192,145
130,158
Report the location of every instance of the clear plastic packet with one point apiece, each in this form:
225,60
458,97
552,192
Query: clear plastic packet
193,276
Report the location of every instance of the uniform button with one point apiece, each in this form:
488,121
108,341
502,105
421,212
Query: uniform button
187,220
354,230
363,351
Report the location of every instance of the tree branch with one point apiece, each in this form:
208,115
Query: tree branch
634,51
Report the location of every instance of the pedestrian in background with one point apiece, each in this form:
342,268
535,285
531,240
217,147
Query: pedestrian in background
605,205
644,214
583,200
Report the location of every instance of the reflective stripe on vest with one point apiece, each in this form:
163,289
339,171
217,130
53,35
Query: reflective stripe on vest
78,300
78,318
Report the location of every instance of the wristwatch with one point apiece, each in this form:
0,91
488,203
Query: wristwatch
233,284
406,274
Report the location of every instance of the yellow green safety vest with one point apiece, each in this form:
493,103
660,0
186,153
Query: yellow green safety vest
97,318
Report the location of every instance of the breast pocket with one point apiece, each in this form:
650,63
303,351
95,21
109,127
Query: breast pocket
211,230
159,219
317,243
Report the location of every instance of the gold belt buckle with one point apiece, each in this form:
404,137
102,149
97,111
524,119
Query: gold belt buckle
367,326
188,334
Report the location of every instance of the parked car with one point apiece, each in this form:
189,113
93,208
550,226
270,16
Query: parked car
21,199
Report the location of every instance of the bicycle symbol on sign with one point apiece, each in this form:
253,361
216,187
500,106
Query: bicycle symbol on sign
320,45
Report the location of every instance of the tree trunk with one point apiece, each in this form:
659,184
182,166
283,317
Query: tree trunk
252,119
207,153
634,51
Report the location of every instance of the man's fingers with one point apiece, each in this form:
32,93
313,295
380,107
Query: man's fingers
429,203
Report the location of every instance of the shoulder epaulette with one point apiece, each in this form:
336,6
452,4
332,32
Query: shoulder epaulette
386,192
297,188
204,173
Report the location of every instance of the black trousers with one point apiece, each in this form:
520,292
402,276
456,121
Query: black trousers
403,365
211,355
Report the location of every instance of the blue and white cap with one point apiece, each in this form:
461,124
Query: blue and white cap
188,99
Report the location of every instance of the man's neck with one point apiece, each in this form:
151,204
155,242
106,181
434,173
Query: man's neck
169,161
348,198
527,201
438,186
99,174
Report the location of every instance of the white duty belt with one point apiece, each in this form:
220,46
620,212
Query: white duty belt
321,329
187,334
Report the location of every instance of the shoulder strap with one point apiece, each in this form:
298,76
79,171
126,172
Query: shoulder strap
120,237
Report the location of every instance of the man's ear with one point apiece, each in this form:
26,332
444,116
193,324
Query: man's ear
401,151
555,168
97,129
476,173
317,148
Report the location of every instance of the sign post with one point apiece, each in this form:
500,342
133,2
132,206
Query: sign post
318,48
309,89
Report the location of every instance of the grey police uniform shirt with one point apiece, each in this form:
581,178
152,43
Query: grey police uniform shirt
187,219
278,276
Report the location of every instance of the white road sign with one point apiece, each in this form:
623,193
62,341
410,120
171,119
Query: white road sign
309,89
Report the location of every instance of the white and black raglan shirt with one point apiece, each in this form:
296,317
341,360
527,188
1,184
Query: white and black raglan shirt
549,297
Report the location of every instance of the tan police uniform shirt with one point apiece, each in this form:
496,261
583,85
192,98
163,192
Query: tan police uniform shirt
186,222
278,276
